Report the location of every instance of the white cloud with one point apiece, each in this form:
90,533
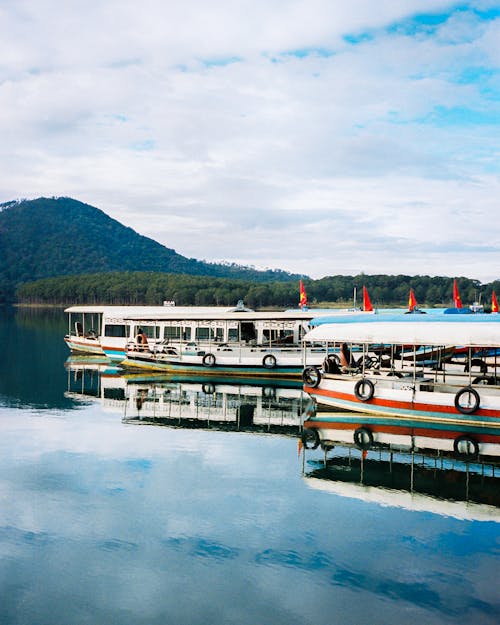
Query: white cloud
256,133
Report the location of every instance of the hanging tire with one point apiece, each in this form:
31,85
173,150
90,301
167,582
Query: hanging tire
269,361
311,376
208,389
364,389
310,438
331,364
208,360
466,448
363,438
471,398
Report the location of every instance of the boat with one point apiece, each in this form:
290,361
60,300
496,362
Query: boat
236,342
391,380
239,343
102,330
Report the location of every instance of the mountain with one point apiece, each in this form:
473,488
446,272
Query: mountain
50,237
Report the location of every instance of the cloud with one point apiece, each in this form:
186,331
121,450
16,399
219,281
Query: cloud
361,140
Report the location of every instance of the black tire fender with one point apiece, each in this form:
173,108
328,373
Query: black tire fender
311,376
364,389
471,394
465,447
208,360
269,361
310,438
363,438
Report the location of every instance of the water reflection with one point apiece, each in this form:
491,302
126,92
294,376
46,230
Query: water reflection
270,406
102,521
33,352
420,473
393,474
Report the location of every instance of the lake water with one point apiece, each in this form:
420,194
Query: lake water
130,501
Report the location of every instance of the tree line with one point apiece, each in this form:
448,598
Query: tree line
152,288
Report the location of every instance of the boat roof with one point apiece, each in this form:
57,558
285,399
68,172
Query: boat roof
130,311
391,316
158,313
438,333
213,315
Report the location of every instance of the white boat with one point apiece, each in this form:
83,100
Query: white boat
454,400
237,342
103,329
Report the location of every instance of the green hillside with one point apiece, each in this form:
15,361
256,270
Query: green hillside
50,237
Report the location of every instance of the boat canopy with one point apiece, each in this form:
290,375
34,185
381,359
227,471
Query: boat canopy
437,333
214,314
158,311
431,316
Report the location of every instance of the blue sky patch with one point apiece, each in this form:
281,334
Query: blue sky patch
460,116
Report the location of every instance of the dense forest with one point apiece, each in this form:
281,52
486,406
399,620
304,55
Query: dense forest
61,251
50,237
153,288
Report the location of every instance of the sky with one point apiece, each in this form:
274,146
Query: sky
320,137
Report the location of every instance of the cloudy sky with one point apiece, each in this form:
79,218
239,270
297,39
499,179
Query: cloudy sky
320,137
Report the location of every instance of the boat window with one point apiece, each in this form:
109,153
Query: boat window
204,334
270,336
232,335
115,330
248,331
172,332
152,332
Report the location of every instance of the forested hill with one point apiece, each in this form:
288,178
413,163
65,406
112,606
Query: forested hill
50,237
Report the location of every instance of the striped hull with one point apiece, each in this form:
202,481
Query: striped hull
116,354
230,370
408,403
83,346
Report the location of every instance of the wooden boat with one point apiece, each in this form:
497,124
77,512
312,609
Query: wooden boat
109,329
103,329
413,393
235,342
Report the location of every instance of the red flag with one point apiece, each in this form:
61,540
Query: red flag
302,296
456,295
412,301
367,305
494,302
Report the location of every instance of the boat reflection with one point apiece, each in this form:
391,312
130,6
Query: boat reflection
397,473
268,406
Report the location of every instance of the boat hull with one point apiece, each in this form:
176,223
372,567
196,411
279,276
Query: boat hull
238,361
241,370
82,345
405,399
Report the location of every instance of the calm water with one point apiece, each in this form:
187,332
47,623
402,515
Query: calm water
127,501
